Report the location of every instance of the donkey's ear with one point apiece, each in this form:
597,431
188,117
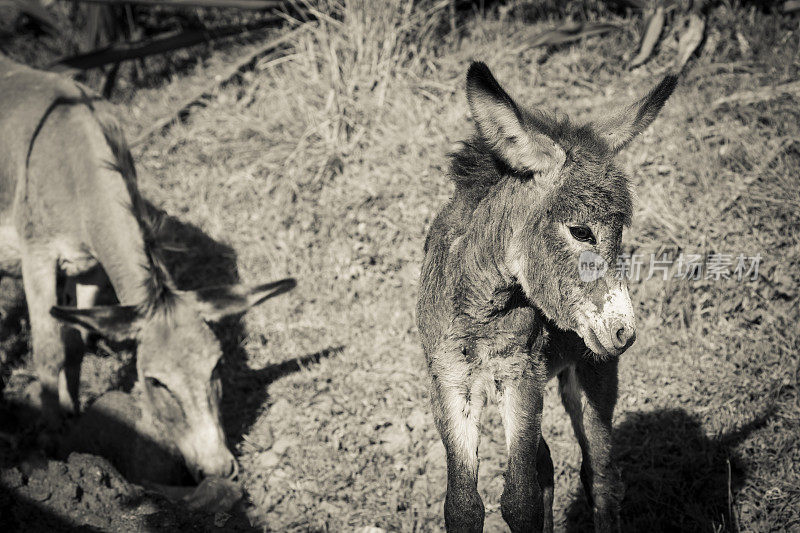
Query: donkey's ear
500,124
215,303
114,322
620,128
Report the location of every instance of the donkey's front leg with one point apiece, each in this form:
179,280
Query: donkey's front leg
83,296
592,425
39,280
544,469
529,476
457,399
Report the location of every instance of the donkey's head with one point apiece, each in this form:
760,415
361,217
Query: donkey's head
565,204
177,356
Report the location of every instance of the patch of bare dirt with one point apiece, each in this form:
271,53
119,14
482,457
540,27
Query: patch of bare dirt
88,493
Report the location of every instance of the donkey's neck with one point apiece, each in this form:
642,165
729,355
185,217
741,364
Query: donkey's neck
117,240
478,264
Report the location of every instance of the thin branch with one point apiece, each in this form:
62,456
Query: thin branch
760,95
116,53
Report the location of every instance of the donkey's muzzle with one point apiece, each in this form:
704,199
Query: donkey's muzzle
214,463
229,469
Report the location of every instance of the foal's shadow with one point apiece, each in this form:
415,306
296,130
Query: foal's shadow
676,478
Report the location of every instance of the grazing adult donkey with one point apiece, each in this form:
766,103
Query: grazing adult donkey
504,304
70,206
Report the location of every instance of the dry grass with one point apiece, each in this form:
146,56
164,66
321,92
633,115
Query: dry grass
328,166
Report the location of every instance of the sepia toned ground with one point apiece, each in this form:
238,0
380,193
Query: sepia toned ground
329,165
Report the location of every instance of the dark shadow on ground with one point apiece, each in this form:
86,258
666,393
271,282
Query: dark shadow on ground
676,478
252,395
23,514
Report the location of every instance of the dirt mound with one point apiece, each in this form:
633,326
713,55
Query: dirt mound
88,493
113,428
85,490
98,491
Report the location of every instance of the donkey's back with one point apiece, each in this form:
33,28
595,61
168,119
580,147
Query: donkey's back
27,97
62,189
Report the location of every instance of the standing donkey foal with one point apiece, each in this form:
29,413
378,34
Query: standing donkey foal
70,206
506,301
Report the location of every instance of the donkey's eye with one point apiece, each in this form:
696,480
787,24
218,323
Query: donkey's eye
583,234
153,382
166,407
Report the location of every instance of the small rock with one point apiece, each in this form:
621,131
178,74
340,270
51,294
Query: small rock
38,492
775,493
11,478
221,518
278,481
267,460
436,456
214,494
263,437
416,420
280,408
283,444
290,510
37,488
329,509
395,439
371,529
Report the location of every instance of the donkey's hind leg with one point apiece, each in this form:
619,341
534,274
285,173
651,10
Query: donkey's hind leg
39,279
592,426
457,401
523,500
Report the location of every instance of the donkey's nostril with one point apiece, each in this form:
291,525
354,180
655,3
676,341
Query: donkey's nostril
624,336
234,470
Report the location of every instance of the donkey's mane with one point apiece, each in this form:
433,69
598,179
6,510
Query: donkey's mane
160,289
475,170
161,293
590,185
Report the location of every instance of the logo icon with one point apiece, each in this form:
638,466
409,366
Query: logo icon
591,266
